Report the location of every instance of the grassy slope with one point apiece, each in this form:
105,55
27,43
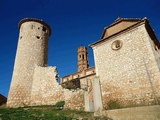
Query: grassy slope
42,113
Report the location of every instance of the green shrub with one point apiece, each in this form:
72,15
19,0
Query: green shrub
60,104
68,85
3,106
113,105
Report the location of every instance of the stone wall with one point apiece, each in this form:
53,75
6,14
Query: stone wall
129,75
45,88
74,99
136,113
33,83
47,91
32,49
85,82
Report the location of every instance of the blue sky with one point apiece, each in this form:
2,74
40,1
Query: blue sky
73,23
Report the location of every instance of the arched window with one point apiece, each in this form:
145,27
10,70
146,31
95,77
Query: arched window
83,56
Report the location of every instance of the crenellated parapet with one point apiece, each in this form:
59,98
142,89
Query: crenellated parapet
44,26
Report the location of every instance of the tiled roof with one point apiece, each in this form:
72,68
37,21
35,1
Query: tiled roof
129,19
123,19
139,21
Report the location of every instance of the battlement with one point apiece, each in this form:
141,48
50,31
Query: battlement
35,20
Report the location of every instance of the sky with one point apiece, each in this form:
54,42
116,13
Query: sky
73,23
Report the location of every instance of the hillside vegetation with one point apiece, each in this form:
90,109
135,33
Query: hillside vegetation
45,113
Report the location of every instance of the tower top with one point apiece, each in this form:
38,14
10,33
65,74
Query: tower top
34,20
82,48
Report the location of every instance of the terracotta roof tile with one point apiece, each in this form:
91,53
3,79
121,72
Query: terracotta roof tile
123,19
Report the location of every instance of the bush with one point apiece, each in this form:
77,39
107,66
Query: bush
113,105
68,85
3,106
60,104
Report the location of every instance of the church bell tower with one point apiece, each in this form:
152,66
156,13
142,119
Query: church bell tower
82,58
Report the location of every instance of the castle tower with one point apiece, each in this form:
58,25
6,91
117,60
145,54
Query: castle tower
82,58
32,50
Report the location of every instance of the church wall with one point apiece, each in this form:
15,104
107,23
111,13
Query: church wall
129,75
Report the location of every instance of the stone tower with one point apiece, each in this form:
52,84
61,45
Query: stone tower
32,50
82,58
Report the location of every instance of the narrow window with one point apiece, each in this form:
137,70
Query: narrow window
156,48
37,37
83,57
32,26
44,29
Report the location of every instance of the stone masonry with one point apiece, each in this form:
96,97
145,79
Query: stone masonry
33,82
128,70
82,58
32,50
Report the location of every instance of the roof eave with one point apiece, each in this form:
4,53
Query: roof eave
131,27
118,20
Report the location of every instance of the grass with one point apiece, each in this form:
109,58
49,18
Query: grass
113,105
41,113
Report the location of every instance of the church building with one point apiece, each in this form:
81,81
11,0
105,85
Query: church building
127,63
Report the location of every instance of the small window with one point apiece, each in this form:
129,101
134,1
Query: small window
83,57
38,37
44,29
21,37
116,45
156,48
32,26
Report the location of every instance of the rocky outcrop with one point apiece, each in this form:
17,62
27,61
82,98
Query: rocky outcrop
3,99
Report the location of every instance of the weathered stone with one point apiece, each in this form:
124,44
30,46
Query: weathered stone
134,68
33,82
